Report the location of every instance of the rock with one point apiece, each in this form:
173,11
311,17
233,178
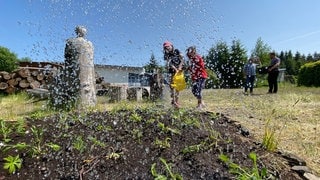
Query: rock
310,176
293,160
301,169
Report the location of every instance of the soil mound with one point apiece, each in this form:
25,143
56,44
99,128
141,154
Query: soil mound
151,143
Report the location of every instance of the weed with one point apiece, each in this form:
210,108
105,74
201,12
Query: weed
242,173
12,163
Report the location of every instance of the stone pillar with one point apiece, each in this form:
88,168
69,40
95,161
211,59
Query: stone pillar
79,68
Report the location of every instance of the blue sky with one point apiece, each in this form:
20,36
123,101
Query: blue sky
127,32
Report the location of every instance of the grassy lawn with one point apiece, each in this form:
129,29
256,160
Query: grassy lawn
292,114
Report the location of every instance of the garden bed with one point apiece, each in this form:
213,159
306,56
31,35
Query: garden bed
147,143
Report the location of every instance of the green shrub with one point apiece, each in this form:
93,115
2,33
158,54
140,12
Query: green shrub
309,74
8,60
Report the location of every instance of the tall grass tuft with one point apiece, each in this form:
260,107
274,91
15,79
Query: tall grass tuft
269,140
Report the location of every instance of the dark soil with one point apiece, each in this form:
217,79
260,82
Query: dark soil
131,144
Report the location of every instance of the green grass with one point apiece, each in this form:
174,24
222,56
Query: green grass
292,114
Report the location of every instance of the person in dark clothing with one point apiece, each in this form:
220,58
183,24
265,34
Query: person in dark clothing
273,73
174,63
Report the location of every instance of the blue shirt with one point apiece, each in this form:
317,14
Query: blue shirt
250,69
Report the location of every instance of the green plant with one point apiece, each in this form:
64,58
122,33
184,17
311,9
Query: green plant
191,121
192,148
8,60
53,146
113,155
12,163
5,131
79,144
137,134
167,129
135,117
163,144
20,126
157,176
38,114
269,140
96,141
37,140
19,146
244,173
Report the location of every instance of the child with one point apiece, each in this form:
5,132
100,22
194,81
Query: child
174,63
249,72
198,74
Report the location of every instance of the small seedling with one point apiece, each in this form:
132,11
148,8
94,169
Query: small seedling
53,146
157,176
97,142
12,163
113,156
135,117
5,131
167,129
163,144
37,140
79,144
243,173
192,149
137,134
20,126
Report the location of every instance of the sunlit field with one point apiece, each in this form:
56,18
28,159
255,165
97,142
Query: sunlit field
293,114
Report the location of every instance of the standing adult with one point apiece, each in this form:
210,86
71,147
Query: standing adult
249,71
198,74
273,73
174,63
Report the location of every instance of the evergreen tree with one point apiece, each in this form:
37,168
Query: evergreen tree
152,65
217,61
288,62
237,60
